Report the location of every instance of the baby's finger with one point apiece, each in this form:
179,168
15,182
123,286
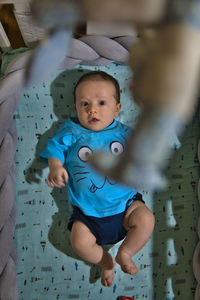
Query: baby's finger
49,183
58,183
65,177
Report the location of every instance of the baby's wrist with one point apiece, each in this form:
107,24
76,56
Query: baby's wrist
54,163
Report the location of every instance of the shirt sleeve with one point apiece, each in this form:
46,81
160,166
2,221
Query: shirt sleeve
127,131
57,147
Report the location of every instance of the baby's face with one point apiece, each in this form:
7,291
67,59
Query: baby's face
96,103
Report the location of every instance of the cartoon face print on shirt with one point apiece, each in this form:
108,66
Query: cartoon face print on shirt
82,174
116,148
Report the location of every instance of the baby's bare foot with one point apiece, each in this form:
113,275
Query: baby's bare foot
107,276
126,263
107,270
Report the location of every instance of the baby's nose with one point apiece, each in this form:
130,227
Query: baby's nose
92,109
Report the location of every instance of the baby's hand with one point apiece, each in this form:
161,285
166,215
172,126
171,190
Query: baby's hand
57,177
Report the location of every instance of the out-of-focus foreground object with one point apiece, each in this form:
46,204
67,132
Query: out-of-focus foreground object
58,20
165,65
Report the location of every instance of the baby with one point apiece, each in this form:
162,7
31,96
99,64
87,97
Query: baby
104,212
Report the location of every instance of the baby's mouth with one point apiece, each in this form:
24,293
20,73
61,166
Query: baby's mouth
93,120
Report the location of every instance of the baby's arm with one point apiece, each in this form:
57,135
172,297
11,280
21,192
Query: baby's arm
57,174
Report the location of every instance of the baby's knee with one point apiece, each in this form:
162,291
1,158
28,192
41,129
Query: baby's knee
148,218
144,218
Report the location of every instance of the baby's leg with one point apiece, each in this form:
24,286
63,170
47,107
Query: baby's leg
139,221
84,243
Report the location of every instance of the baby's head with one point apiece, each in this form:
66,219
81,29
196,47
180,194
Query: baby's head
97,100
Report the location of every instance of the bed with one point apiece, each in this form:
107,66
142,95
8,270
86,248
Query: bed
47,268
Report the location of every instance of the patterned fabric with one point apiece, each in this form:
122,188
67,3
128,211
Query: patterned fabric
8,56
48,269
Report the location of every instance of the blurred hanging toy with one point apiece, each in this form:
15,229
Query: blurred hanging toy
165,64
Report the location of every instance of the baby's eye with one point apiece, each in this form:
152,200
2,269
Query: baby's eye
102,102
116,148
84,103
84,153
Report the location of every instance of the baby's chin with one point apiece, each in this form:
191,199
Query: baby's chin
95,126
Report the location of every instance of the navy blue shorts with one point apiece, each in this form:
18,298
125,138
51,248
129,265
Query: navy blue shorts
107,230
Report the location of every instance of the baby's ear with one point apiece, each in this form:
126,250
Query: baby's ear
118,108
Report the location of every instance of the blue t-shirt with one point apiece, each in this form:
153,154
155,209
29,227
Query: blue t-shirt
95,194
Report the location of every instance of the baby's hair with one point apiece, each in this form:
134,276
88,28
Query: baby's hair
102,75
